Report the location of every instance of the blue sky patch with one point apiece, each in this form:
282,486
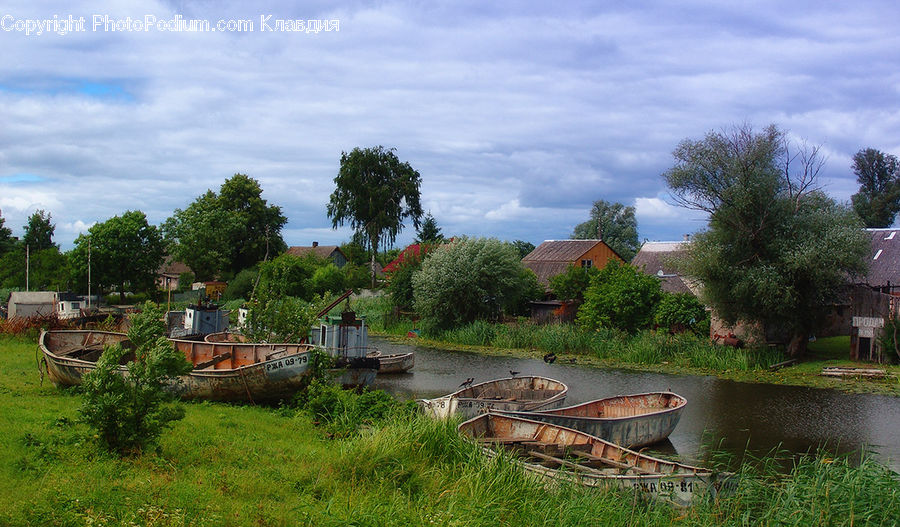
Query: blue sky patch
21,178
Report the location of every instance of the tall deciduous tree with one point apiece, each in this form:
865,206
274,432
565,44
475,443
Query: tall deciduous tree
7,241
615,224
375,192
225,232
878,199
777,250
39,232
125,251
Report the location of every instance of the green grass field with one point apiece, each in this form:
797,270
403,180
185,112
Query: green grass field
244,465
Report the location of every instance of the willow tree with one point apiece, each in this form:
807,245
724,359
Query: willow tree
375,192
777,250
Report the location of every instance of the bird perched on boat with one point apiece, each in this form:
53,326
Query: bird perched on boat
550,358
513,373
468,382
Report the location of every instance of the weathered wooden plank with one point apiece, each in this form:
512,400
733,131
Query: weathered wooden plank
612,462
565,463
213,361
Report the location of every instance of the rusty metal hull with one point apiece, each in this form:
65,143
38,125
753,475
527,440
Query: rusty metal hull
632,421
225,372
599,464
528,393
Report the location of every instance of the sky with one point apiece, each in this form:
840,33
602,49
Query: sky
517,115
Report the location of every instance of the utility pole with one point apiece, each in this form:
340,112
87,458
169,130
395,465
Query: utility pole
27,266
89,273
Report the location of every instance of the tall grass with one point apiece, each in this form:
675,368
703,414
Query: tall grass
243,465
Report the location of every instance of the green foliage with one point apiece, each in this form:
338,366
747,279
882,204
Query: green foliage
471,279
523,248
328,278
615,224
275,317
39,232
125,252
620,297
890,343
219,234
290,275
680,311
429,232
7,241
343,413
48,269
185,281
572,284
241,285
355,252
400,285
878,199
129,411
777,251
375,192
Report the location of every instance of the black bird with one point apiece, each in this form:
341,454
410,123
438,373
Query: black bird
550,358
513,373
468,382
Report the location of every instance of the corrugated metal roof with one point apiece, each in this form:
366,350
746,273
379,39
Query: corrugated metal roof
884,258
560,251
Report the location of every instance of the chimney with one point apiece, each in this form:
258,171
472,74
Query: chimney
315,244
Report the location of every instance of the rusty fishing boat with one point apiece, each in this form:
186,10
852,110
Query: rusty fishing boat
231,371
514,393
631,421
563,454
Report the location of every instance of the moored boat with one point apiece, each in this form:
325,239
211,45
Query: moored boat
632,421
393,363
560,453
222,372
514,393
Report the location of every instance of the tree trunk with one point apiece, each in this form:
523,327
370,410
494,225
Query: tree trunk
372,262
797,346
122,294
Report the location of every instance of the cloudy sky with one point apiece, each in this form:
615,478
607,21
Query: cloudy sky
518,115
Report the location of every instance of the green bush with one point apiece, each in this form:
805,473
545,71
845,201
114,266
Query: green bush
129,412
241,286
328,279
400,285
470,279
572,284
620,297
679,312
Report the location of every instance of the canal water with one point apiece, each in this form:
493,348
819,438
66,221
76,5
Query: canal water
721,415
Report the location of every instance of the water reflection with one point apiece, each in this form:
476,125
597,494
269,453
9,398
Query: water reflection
728,415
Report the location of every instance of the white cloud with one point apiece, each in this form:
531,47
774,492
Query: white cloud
518,117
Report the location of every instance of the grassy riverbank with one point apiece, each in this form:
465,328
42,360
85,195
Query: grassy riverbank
243,465
646,351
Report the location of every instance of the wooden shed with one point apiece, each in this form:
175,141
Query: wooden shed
875,297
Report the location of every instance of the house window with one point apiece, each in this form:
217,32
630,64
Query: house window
587,263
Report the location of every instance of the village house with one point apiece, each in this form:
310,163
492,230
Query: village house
659,259
552,258
169,273
874,297
332,252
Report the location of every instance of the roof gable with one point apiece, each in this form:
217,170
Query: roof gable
561,250
322,251
884,257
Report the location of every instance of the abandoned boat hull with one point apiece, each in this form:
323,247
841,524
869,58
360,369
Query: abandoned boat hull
563,454
514,393
632,421
225,372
